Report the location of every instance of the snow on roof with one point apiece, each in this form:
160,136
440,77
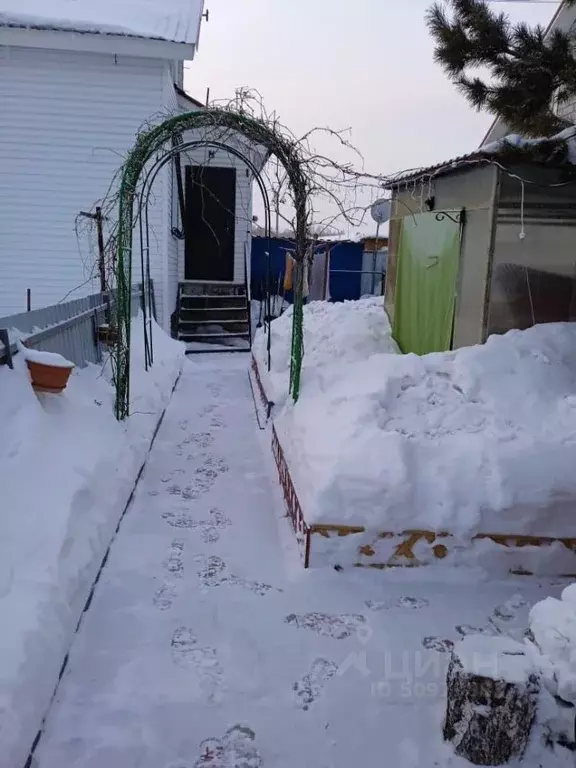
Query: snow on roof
177,21
554,150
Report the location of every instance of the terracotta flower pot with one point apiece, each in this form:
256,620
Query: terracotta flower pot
48,378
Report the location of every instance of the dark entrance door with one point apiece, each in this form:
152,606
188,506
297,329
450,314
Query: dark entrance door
210,223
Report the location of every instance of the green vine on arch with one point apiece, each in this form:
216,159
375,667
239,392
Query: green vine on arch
151,142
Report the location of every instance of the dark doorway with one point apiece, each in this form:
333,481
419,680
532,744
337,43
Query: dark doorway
210,223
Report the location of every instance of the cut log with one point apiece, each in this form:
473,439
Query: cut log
492,698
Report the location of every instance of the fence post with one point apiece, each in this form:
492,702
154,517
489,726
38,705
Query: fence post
5,339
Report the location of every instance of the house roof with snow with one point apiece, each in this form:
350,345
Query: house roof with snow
556,151
175,21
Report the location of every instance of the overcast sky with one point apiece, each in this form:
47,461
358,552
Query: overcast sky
360,64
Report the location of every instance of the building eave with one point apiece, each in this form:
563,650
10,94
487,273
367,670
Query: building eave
187,98
124,45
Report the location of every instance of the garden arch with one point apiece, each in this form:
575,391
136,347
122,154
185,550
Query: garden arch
149,144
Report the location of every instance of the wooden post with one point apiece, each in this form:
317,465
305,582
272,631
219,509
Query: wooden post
492,698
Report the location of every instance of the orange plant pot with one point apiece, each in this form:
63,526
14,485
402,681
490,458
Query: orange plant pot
48,378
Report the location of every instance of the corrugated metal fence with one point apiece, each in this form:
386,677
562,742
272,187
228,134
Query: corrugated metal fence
69,328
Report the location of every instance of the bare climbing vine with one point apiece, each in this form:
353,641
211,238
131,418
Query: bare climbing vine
290,171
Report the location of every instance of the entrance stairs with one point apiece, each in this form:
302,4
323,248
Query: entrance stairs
213,317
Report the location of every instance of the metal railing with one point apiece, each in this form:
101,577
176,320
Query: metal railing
70,329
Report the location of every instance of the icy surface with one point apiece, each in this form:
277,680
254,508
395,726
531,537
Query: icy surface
207,646
67,468
482,439
553,626
174,20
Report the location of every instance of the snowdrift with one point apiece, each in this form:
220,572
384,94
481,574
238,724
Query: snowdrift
553,628
482,439
476,442
347,332
67,469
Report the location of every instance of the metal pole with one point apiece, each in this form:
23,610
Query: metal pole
28,299
374,257
101,258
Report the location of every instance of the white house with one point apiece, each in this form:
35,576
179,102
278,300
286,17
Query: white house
78,79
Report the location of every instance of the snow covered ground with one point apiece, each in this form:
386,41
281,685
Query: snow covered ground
67,468
207,646
482,439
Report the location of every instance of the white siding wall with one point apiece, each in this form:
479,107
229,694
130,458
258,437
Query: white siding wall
66,121
170,289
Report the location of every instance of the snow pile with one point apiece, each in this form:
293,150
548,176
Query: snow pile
553,627
500,658
515,141
67,469
339,333
175,20
482,439
45,358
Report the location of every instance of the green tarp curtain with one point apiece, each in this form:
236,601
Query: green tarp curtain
427,273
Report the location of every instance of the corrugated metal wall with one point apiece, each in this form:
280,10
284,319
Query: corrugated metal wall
344,285
68,329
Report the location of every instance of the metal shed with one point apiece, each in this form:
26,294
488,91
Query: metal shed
480,245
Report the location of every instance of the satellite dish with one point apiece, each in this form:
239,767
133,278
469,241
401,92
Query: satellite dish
380,211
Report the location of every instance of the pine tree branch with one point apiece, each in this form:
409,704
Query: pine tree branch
529,71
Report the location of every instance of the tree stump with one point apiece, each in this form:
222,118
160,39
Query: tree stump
492,697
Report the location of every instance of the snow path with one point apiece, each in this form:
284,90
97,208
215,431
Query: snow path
205,646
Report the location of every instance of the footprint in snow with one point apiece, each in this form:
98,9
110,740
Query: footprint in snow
437,644
204,661
174,563
202,439
410,603
510,609
338,626
236,749
199,486
212,467
468,629
212,574
258,587
309,688
165,596
209,529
